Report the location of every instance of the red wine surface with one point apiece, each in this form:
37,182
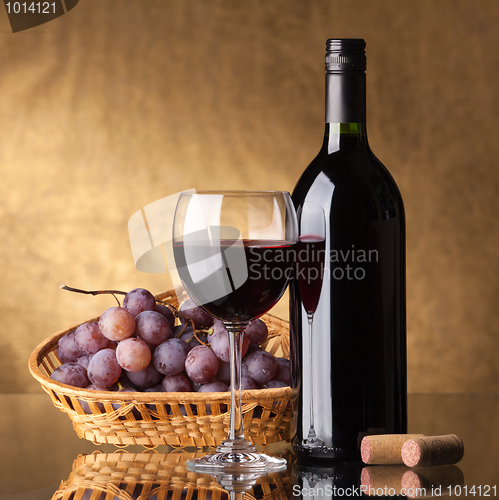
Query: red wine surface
245,280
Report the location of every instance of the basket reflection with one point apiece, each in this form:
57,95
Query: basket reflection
122,475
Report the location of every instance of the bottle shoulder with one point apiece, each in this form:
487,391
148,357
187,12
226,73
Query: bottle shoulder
351,183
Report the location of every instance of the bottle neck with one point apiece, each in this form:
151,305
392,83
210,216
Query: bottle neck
345,116
346,97
345,137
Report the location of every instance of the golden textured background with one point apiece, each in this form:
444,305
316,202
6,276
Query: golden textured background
119,103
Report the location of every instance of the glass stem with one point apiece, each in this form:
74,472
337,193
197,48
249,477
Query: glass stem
234,495
236,430
311,431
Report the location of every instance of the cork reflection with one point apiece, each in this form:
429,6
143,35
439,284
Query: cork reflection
395,480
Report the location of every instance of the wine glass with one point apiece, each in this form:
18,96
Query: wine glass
235,253
311,250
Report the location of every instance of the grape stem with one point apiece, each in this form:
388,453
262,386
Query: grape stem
95,292
198,339
185,325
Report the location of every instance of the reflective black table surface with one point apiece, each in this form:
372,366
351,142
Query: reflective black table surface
42,458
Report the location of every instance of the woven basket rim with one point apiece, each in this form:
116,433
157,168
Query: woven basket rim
141,397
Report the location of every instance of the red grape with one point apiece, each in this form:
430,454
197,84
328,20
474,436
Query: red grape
244,370
123,383
214,386
93,387
257,331
195,385
253,348
167,313
219,340
169,357
261,366
199,316
116,323
154,388
201,364
133,354
146,378
103,369
71,373
247,383
139,300
223,373
275,384
67,348
84,360
176,383
283,372
89,338
192,340
152,327
181,328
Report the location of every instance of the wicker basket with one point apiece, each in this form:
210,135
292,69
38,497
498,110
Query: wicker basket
175,419
124,476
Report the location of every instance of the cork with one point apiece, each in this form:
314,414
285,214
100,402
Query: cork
432,450
382,478
432,481
384,449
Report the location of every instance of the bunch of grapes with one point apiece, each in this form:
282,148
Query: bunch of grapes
146,346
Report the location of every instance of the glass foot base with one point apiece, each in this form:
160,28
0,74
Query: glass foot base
314,442
236,456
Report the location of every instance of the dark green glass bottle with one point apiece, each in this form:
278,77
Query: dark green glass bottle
358,358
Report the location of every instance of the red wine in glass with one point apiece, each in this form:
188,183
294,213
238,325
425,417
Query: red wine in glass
310,258
269,269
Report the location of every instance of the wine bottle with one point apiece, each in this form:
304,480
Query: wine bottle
358,358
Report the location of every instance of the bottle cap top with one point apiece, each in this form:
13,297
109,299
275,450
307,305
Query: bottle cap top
345,55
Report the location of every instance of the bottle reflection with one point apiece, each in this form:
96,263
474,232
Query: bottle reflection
341,480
